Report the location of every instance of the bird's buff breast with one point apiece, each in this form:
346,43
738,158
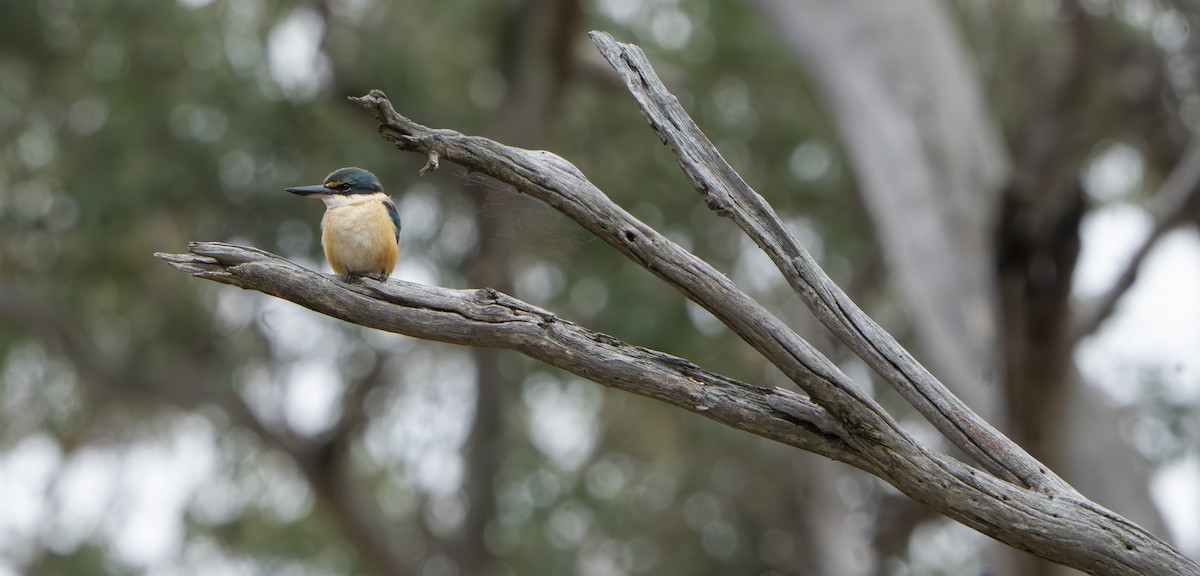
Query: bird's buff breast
359,238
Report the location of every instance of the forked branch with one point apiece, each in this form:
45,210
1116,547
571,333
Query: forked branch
729,195
840,421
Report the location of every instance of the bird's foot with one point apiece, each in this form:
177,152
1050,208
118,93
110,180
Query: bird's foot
353,278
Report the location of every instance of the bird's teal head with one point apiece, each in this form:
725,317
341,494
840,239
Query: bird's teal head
342,182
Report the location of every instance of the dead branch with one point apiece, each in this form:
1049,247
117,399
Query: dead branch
728,195
840,421
492,319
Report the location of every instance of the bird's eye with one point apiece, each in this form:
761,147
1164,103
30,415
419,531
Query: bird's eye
344,187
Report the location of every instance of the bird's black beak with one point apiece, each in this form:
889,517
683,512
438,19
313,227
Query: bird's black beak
310,191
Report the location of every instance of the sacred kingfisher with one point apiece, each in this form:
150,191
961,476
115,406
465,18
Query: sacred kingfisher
361,229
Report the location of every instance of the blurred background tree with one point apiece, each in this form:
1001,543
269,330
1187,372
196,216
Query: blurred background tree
154,424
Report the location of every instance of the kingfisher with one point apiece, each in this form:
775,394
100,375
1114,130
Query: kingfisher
361,228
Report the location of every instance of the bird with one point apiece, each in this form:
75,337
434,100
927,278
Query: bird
360,230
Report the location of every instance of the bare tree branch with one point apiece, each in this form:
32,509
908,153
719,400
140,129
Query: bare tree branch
560,184
1058,527
1175,200
840,422
729,195
1074,532
489,318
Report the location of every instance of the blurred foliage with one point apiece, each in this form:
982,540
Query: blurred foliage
163,413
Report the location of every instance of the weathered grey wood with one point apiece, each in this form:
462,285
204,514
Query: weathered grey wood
840,421
729,195
555,181
485,317
1062,528
558,183
1074,532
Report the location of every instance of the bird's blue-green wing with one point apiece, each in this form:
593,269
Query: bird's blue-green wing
391,208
